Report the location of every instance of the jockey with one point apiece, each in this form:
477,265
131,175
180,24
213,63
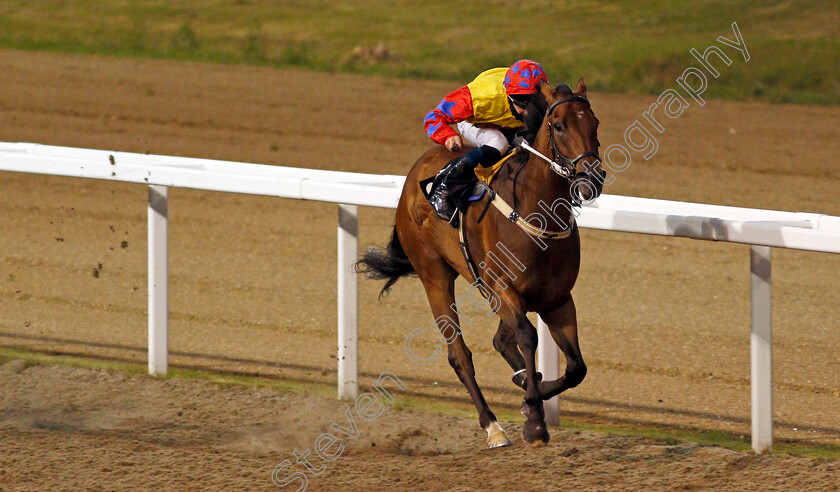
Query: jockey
486,111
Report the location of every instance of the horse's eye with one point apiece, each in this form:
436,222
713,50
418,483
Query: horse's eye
558,126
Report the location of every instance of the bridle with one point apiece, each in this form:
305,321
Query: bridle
568,171
560,164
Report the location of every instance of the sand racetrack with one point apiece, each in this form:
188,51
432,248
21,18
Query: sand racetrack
664,322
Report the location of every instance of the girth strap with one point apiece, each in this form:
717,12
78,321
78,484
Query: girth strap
465,249
514,217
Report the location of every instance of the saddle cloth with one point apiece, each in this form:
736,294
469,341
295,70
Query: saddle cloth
487,174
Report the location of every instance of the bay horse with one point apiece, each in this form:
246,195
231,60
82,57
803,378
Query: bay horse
537,277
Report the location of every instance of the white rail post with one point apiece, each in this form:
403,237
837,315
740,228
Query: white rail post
158,281
761,355
348,302
548,359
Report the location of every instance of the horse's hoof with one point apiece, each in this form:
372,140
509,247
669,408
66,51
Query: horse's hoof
498,442
535,434
496,437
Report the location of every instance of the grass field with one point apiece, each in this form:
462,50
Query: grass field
623,47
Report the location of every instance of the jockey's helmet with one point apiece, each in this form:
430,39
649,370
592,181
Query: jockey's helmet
524,77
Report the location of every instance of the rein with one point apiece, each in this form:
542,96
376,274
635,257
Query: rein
557,168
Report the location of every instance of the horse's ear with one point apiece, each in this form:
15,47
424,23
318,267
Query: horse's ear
581,88
549,93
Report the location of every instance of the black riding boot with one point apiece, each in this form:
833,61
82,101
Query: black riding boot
457,178
456,172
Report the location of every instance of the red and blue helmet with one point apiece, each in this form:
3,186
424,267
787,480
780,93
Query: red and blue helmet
524,77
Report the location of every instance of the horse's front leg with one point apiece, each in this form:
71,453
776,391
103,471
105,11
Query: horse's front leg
534,431
562,323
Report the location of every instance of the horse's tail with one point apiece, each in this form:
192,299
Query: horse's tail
385,263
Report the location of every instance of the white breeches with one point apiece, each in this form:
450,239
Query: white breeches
484,136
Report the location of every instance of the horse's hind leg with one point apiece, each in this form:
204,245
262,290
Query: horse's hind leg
440,290
562,323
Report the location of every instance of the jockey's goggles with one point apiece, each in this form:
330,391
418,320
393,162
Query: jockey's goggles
520,102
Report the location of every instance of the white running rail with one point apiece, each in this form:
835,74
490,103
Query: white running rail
762,229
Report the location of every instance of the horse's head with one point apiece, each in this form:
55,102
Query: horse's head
571,131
